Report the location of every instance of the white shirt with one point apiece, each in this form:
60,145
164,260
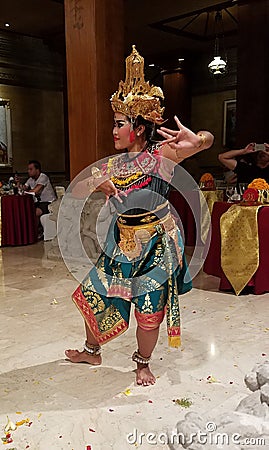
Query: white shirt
47,194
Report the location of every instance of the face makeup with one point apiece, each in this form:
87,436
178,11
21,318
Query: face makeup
122,132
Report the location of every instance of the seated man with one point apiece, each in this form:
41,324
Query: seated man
39,183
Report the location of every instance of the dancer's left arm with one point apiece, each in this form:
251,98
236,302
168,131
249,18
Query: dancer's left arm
183,143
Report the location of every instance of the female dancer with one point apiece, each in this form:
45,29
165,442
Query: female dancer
143,260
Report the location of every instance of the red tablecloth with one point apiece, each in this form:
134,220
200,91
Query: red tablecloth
19,224
212,266
182,206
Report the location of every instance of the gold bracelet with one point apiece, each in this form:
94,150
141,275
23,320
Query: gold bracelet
202,137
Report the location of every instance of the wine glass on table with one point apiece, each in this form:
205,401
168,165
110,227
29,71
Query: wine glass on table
242,188
230,190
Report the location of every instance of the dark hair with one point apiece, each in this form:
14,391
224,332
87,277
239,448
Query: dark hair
149,127
35,163
250,158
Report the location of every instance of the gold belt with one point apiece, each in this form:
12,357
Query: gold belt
145,218
133,236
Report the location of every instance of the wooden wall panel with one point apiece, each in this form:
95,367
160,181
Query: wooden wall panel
253,73
95,64
176,88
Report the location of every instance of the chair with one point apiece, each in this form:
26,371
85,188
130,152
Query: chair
49,227
60,191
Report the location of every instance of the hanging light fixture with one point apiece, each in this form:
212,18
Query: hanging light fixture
218,66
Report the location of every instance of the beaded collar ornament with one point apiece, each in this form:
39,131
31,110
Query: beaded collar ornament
135,96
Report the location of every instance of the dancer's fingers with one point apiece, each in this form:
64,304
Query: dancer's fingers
165,135
118,198
179,124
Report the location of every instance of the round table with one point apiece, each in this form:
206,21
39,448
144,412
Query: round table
18,220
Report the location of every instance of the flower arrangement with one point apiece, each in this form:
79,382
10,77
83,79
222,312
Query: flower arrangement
258,191
259,183
207,181
206,177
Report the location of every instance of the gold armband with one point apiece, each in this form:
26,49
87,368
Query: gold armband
202,137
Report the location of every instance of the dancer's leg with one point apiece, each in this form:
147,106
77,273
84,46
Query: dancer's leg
76,356
146,341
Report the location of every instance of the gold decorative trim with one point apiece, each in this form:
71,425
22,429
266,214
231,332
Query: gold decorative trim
148,219
146,213
135,96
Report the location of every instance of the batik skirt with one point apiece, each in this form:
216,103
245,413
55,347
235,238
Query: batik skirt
142,263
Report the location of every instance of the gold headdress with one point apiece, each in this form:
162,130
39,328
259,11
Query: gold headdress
135,96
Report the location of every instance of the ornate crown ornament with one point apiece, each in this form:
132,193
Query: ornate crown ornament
135,96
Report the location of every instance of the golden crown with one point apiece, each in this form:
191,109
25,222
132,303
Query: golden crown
136,97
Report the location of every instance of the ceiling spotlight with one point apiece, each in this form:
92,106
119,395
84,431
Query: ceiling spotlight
7,25
152,65
181,59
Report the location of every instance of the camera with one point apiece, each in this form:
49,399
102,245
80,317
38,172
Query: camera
259,148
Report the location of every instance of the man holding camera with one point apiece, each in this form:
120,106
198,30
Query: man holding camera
248,163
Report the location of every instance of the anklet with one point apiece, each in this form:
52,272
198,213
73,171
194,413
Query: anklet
138,358
92,349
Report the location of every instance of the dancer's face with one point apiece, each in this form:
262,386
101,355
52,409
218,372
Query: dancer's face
122,132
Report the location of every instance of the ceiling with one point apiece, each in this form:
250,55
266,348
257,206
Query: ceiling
39,18
154,25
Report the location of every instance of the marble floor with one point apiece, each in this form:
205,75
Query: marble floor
80,407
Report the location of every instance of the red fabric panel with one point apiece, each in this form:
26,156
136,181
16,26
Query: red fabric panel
185,213
19,225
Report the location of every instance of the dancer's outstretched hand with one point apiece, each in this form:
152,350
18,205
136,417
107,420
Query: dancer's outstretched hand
183,138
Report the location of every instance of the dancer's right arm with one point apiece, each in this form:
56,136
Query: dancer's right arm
84,188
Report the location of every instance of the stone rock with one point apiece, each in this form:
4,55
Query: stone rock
245,425
261,410
250,403
196,419
265,393
198,446
187,429
263,374
251,381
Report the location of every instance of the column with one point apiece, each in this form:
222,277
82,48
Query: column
95,64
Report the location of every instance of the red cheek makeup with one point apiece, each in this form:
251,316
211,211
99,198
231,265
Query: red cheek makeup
132,136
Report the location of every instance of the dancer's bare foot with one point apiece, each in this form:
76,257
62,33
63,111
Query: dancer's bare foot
144,376
77,357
